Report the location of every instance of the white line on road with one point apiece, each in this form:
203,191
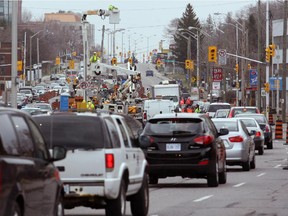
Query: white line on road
277,166
203,198
239,185
261,174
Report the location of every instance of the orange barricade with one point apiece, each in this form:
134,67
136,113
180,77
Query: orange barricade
279,129
271,121
286,136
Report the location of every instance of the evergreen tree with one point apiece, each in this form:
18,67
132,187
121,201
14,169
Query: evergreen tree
188,19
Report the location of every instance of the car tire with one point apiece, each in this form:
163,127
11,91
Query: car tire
213,178
153,179
117,206
140,201
253,163
261,150
223,175
246,165
16,210
270,145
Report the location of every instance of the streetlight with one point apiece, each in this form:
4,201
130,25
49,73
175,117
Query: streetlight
241,28
31,37
118,30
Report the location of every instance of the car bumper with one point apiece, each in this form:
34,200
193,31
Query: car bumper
236,156
268,137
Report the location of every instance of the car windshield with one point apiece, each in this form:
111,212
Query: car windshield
214,108
230,125
71,131
179,126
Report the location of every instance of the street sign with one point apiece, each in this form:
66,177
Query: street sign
217,74
222,57
253,74
216,85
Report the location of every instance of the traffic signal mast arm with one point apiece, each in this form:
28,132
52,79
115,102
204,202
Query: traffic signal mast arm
242,57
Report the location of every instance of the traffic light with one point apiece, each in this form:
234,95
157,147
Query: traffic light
266,87
249,66
19,66
267,51
212,54
236,68
114,61
71,64
130,61
272,50
187,64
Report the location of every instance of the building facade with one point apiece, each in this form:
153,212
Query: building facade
6,12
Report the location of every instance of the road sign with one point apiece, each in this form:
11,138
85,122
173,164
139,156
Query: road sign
217,74
222,57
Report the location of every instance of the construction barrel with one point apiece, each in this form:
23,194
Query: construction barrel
279,129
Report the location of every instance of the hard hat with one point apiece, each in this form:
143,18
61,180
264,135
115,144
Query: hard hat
95,52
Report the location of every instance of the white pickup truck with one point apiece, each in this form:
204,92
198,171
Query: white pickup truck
104,166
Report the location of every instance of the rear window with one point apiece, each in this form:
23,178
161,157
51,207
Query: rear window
214,107
244,110
230,125
72,131
174,126
249,122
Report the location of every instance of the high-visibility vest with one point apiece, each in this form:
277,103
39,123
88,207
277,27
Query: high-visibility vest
189,110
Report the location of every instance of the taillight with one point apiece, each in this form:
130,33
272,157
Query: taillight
204,162
57,174
236,139
144,116
109,159
204,140
146,140
267,129
258,134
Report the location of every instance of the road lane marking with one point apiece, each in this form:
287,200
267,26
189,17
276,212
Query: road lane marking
239,185
203,198
261,174
277,166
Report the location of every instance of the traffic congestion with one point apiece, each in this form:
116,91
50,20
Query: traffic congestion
192,125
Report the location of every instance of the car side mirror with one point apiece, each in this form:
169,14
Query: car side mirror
223,131
59,153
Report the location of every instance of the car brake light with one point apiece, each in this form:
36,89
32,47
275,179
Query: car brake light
204,162
258,134
144,116
236,139
109,161
204,140
267,129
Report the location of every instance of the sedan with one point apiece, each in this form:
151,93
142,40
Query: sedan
254,128
240,146
264,124
184,144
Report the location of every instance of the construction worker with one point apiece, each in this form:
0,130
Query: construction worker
94,58
90,106
111,8
197,109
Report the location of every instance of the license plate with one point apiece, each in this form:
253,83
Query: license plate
66,189
173,147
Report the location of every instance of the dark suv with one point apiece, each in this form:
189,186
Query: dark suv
29,182
184,144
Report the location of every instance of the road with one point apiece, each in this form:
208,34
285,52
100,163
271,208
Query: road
259,192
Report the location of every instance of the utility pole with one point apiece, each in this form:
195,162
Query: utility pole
284,75
102,43
189,57
267,65
14,54
259,57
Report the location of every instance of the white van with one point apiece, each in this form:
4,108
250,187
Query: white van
157,106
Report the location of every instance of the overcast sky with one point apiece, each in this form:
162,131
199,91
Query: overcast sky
139,18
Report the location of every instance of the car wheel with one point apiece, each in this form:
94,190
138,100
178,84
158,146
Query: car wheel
261,150
253,163
153,179
117,206
140,201
213,178
270,145
16,210
246,165
223,175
